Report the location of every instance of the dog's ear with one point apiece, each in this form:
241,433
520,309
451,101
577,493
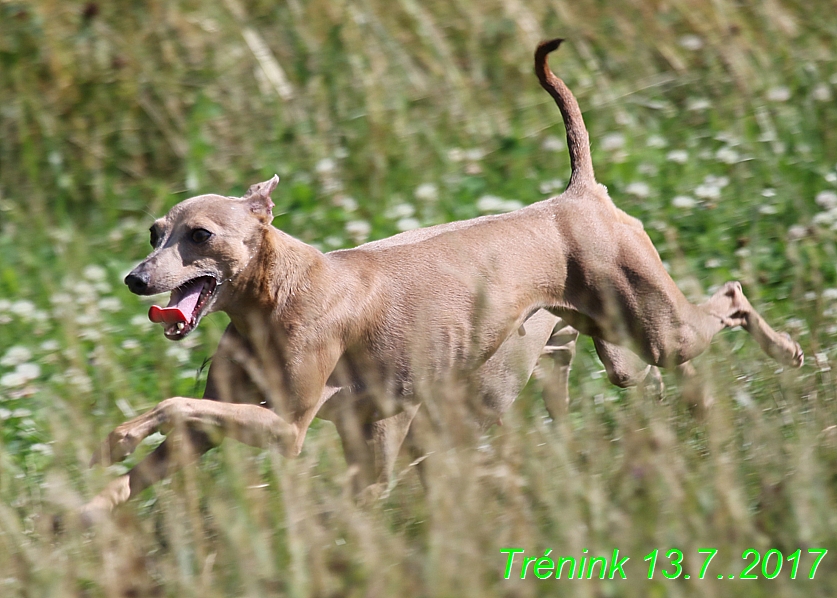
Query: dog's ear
258,197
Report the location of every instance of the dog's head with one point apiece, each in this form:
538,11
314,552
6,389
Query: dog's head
199,248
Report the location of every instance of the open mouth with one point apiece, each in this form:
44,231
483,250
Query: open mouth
186,307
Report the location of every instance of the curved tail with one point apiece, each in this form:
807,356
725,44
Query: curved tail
578,141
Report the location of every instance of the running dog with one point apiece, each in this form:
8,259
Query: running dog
360,336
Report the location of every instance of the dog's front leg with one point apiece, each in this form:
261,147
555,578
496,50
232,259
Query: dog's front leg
251,424
175,452
193,427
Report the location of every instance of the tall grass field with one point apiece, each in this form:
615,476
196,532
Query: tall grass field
712,121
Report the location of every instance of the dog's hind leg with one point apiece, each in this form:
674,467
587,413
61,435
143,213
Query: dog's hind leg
779,346
684,330
690,330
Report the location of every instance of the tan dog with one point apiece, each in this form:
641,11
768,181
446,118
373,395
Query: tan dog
357,336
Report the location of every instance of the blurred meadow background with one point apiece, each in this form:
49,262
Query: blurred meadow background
714,122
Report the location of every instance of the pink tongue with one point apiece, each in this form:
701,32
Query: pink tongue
178,310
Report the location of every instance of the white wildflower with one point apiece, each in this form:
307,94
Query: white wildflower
683,202
331,185
192,182
798,325
178,353
130,344
94,273
691,42
831,177
12,380
823,218
400,210
87,319
50,345
474,154
333,241
718,181
551,186
23,373
656,141
768,209
490,203
698,104
712,263
638,189
727,155
325,166
407,224
822,93
358,230
426,192
90,334
796,232
768,192
40,447
15,356
744,399
778,94
552,144
456,154
29,371
111,304
679,156
707,191
22,308
728,138
141,321
612,142
79,379
349,204
60,299
648,169
827,199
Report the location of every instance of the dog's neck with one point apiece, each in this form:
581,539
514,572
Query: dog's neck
259,296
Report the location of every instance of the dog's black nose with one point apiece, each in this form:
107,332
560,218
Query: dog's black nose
137,283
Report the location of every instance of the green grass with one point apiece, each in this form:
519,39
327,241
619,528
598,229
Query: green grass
713,122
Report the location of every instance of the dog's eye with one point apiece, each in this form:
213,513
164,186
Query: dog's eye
155,237
200,235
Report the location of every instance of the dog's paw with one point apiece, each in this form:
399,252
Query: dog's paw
798,357
119,444
787,352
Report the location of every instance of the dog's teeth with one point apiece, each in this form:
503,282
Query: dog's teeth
181,326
